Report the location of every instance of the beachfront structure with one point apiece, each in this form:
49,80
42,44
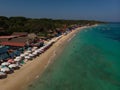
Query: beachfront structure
13,41
21,40
20,34
15,44
16,39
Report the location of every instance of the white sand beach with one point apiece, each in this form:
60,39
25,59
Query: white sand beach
33,69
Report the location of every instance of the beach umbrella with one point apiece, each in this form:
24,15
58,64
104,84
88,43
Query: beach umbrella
29,48
31,55
5,63
5,69
2,74
34,53
12,66
29,51
27,57
17,59
34,48
26,53
37,51
44,46
54,40
10,61
22,55
1,60
2,66
40,50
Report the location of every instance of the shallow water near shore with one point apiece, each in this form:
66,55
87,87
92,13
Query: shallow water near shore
90,61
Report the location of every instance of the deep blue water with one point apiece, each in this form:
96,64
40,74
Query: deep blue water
90,61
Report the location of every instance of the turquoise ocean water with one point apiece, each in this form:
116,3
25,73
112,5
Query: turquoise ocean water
90,61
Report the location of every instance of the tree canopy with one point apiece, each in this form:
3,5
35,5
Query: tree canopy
40,26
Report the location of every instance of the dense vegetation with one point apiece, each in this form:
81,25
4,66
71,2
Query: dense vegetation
39,26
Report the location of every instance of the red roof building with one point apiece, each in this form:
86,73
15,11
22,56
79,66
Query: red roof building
7,37
20,34
13,44
13,41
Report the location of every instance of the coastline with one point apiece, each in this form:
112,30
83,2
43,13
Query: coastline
33,69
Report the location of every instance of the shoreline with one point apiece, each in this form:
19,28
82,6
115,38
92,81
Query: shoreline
34,69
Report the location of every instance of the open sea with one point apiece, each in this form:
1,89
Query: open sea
90,61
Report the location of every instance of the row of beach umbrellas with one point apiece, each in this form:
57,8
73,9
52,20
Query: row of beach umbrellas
5,66
11,63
